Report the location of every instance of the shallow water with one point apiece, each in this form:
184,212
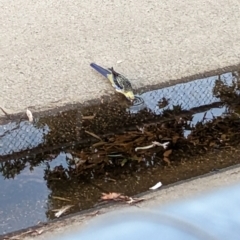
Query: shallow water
36,183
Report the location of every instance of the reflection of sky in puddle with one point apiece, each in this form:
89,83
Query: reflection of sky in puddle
60,159
23,200
188,95
198,117
216,112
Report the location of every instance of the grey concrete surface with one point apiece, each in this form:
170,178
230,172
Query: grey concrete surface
152,201
46,46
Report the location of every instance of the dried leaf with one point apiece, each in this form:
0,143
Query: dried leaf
93,214
110,196
37,232
83,155
166,139
156,186
122,198
29,115
88,117
174,139
90,166
205,148
61,210
212,144
98,144
61,198
163,102
137,158
110,179
123,162
80,163
93,135
134,200
21,235
223,137
167,160
167,153
7,115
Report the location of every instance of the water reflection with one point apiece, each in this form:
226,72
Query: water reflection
182,114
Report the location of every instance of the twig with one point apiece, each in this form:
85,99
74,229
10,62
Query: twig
164,145
88,117
61,198
93,135
7,115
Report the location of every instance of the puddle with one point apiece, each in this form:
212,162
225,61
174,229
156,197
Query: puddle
74,156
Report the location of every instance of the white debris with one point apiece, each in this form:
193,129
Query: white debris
61,210
29,115
156,186
164,145
119,61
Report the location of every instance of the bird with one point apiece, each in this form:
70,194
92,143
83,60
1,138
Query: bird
118,81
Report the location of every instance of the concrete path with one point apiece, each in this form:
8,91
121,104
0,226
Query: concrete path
46,46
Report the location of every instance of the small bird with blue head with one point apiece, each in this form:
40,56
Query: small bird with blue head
118,81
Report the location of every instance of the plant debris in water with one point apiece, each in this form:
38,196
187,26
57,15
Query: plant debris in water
118,197
168,144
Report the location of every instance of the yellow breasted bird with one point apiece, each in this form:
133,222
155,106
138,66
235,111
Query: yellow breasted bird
118,81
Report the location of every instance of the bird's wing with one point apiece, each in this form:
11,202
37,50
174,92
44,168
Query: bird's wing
117,82
124,83
101,70
105,72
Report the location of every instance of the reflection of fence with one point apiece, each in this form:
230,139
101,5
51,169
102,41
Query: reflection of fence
188,95
17,137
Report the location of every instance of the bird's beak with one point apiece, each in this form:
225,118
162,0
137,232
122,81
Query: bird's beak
129,95
131,99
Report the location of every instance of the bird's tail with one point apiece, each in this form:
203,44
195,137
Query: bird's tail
101,70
